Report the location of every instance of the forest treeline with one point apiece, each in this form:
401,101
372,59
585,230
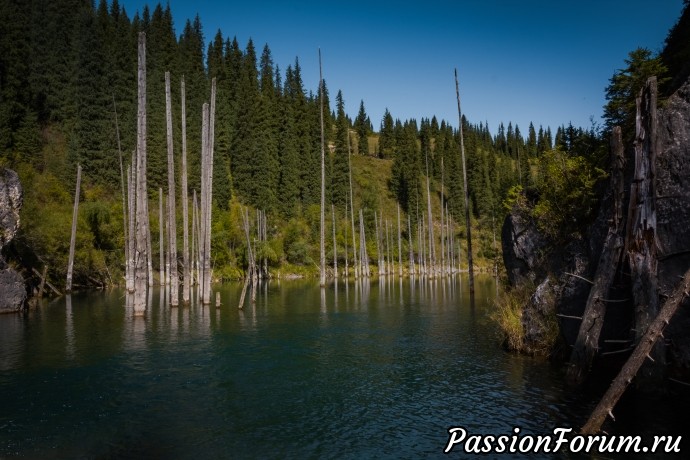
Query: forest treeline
68,69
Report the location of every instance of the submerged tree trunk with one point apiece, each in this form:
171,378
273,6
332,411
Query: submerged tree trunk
335,244
587,342
162,272
174,278
638,357
400,262
184,194
73,238
122,186
141,253
352,208
470,264
322,266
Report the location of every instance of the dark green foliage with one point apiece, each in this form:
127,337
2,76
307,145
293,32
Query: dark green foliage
362,127
387,136
340,185
625,85
676,53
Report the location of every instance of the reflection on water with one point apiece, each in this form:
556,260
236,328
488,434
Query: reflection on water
356,369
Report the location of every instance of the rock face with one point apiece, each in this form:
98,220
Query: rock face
556,270
12,285
673,213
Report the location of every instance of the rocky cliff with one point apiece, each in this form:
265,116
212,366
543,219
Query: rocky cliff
559,271
12,285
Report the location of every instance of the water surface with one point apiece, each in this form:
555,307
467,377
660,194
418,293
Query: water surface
375,370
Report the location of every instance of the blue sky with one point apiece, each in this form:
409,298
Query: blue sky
542,61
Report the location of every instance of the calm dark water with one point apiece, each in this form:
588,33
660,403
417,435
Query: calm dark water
354,371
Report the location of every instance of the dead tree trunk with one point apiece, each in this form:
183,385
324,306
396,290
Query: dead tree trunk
73,238
347,263
122,186
470,265
409,242
638,357
131,205
322,266
640,244
141,256
209,194
174,278
400,262
335,245
186,275
161,238
587,343
352,209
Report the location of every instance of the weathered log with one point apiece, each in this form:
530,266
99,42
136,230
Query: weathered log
638,357
587,342
44,279
73,238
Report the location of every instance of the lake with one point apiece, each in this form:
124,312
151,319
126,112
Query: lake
377,369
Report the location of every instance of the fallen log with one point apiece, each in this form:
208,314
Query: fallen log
637,358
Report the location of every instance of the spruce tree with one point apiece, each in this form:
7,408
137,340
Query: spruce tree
362,129
339,177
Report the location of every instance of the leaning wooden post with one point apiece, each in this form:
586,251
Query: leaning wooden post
174,278
140,272
186,271
73,238
638,357
587,342
322,264
470,264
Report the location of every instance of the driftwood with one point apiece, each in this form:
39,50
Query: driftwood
44,279
467,196
587,342
638,357
73,238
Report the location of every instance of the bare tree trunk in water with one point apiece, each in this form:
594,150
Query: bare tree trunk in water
73,238
470,264
141,253
186,271
172,209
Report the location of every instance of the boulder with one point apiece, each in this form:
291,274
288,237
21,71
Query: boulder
523,245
